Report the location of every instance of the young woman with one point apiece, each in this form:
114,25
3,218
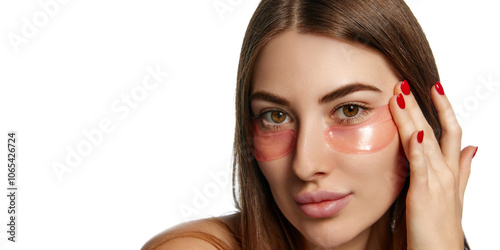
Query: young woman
344,136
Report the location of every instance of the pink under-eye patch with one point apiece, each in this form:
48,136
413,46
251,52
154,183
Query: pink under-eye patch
268,146
367,137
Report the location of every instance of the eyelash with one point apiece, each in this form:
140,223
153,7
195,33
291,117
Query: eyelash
364,111
276,127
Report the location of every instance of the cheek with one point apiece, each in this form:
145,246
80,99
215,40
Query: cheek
372,151
277,175
366,138
379,177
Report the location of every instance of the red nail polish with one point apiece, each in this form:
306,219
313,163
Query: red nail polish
401,101
405,88
420,136
439,88
475,152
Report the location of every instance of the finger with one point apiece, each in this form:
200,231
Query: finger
403,121
419,171
414,110
451,136
465,168
411,118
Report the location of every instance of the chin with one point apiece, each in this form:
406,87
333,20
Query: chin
328,241
322,234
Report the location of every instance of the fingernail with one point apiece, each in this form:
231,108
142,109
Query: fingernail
420,136
475,152
439,88
401,101
405,88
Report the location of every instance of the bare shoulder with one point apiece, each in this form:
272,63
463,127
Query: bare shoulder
211,233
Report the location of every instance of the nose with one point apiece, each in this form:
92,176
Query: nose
310,161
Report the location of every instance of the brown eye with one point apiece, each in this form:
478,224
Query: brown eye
275,119
278,116
350,110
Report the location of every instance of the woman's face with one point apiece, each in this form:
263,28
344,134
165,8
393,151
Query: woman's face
331,186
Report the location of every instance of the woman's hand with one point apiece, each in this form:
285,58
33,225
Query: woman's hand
439,171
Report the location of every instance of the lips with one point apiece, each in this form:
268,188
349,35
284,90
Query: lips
322,204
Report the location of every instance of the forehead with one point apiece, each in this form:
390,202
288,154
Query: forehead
315,64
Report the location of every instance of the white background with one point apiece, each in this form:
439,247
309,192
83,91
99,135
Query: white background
156,167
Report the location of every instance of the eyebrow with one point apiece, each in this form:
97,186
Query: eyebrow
266,96
346,90
335,94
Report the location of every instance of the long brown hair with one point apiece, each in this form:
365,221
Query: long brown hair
388,26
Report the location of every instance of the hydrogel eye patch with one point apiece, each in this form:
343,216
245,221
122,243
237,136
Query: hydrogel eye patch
268,146
367,137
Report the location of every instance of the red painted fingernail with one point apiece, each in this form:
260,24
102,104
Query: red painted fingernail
420,136
475,152
405,88
401,101
439,88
